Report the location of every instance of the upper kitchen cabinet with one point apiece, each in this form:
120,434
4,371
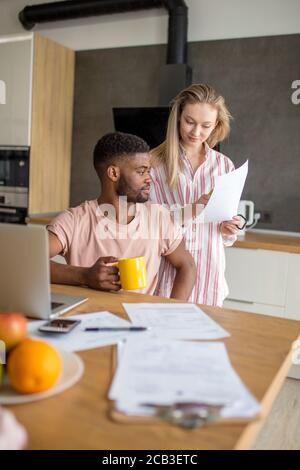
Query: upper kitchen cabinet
16,76
39,79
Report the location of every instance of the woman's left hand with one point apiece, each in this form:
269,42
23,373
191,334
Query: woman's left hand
230,227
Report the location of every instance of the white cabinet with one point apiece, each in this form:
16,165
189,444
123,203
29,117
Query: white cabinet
257,275
263,281
292,308
255,307
16,75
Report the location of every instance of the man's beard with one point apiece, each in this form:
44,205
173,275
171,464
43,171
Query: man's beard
124,189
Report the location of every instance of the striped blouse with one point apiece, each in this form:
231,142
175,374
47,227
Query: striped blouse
203,240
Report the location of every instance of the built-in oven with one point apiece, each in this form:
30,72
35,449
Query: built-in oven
14,183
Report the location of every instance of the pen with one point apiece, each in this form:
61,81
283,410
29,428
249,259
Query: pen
117,328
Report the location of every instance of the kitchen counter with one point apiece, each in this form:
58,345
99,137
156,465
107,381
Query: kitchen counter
269,241
41,219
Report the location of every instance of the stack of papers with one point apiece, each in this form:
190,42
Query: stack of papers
165,372
180,321
174,320
79,339
154,368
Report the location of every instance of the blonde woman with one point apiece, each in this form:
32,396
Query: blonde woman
184,169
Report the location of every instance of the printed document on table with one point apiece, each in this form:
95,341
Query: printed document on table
224,201
78,339
174,320
163,372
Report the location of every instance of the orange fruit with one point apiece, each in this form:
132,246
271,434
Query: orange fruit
33,366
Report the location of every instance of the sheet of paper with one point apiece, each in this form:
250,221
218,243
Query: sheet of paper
164,372
224,201
174,320
78,339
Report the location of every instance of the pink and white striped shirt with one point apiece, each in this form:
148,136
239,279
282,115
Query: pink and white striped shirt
204,241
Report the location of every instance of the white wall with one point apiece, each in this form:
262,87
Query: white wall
219,19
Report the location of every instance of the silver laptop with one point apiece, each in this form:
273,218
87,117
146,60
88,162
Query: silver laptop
25,274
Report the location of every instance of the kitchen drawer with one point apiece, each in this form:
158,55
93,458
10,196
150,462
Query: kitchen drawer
258,276
253,307
294,372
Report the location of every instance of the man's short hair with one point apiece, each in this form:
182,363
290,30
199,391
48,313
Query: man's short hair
115,145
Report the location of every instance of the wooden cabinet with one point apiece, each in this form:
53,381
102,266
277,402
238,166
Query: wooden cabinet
39,87
263,281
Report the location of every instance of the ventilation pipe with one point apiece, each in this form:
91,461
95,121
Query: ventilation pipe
175,75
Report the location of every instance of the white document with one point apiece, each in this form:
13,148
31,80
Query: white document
164,372
174,320
78,339
224,201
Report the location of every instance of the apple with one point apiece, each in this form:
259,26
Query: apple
13,328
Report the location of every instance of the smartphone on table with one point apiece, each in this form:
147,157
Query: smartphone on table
59,325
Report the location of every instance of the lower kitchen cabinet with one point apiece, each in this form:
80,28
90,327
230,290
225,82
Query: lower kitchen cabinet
263,281
292,306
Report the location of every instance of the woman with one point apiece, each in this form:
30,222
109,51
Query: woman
184,170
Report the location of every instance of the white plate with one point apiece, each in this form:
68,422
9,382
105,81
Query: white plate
72,371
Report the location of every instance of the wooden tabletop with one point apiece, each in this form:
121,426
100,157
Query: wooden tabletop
79,418
268,241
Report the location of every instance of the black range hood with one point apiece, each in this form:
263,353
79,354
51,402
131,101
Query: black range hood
173,76
148,123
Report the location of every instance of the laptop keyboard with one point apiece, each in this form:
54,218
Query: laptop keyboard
56,304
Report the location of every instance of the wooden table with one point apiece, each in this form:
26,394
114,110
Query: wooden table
260,351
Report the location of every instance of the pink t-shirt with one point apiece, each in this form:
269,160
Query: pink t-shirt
88,232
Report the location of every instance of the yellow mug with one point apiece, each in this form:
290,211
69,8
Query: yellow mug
133,273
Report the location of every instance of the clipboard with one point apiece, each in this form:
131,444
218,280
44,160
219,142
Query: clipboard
122,418
119,416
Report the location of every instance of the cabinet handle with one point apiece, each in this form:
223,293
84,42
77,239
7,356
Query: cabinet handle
240,301
3,210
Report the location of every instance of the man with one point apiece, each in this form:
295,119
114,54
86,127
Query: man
120,222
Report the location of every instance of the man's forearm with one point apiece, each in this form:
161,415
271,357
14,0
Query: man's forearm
184,282
65,274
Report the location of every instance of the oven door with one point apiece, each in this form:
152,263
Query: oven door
14,167
13,215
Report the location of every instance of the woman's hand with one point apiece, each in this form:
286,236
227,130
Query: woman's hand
230,227
204,199
197,207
